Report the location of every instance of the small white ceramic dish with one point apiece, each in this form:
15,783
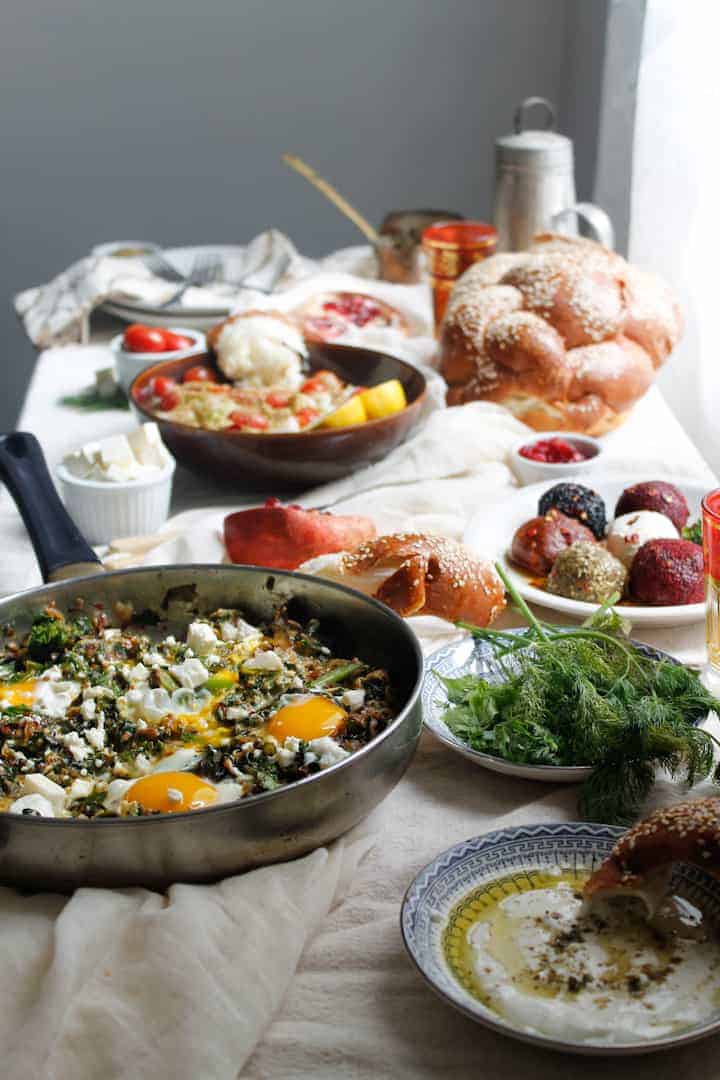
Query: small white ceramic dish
474,657
430,912
105,510
531,472
129,364
490,533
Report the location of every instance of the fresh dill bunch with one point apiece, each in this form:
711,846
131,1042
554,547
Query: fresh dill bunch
586,696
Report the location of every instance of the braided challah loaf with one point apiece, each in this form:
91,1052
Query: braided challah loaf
567,335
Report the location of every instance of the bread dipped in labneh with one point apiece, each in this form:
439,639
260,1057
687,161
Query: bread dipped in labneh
641,862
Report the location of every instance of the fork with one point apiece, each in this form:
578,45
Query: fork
205,269
280,269
160,267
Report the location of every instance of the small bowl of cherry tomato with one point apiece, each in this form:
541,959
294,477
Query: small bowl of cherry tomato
140,346
549,454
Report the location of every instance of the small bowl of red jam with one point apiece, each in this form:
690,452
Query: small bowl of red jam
551,454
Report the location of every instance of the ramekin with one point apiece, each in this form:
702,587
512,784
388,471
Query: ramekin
532,472
105,510
130,364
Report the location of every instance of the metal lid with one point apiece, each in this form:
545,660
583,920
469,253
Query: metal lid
535,148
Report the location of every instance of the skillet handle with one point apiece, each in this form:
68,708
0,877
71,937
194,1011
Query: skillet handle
61,549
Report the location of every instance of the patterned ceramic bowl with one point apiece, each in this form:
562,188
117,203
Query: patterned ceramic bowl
429,916
473,657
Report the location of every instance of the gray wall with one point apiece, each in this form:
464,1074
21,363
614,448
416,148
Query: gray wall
166,119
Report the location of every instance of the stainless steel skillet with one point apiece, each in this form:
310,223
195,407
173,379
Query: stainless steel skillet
203,845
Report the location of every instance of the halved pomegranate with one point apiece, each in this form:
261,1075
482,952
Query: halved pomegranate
328,316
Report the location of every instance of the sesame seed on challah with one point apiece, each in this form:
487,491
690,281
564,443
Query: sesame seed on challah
567,335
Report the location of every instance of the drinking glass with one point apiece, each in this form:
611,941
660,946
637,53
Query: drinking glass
450,248
711,549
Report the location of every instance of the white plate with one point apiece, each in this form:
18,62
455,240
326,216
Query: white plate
491,530
472,656
196,318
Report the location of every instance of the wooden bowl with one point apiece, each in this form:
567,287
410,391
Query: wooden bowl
286,462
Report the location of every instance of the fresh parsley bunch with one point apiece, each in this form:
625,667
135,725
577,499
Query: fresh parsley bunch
586,696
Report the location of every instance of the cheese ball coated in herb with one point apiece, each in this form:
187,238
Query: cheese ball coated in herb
578,502
586,572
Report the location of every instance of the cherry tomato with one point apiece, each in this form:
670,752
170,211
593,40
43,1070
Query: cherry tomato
277,400
163,386
177,341
315,382
139,338
306,416
169,402
249,420
199,373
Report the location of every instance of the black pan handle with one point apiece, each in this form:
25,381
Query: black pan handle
62,551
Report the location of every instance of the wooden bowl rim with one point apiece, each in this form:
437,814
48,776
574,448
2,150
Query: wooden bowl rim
278,436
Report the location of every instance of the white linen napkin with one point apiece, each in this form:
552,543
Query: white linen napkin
132,985
52,314
431,483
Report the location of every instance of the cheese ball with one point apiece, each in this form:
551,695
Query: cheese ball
668,572
579,502
655,495
586,572
537,543
629,532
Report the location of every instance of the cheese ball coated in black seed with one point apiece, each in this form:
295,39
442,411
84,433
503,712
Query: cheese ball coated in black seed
578,502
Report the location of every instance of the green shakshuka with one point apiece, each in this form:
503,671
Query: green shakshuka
98,721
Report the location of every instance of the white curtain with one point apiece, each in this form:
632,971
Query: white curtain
675,197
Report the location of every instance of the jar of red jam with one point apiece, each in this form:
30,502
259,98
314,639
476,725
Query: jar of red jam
553,451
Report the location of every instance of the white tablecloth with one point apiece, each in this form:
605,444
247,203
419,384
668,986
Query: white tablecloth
356,1007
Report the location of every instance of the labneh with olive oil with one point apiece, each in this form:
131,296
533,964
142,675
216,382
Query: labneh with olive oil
532,951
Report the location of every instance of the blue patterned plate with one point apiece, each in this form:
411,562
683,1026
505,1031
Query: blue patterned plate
474,657
475,865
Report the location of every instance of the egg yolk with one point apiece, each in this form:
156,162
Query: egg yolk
19,693
308,719
172,792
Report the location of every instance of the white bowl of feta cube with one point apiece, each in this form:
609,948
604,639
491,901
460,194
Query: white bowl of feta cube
119,486
129,363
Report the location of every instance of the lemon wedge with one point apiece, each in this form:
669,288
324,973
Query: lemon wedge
384,399
351,412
